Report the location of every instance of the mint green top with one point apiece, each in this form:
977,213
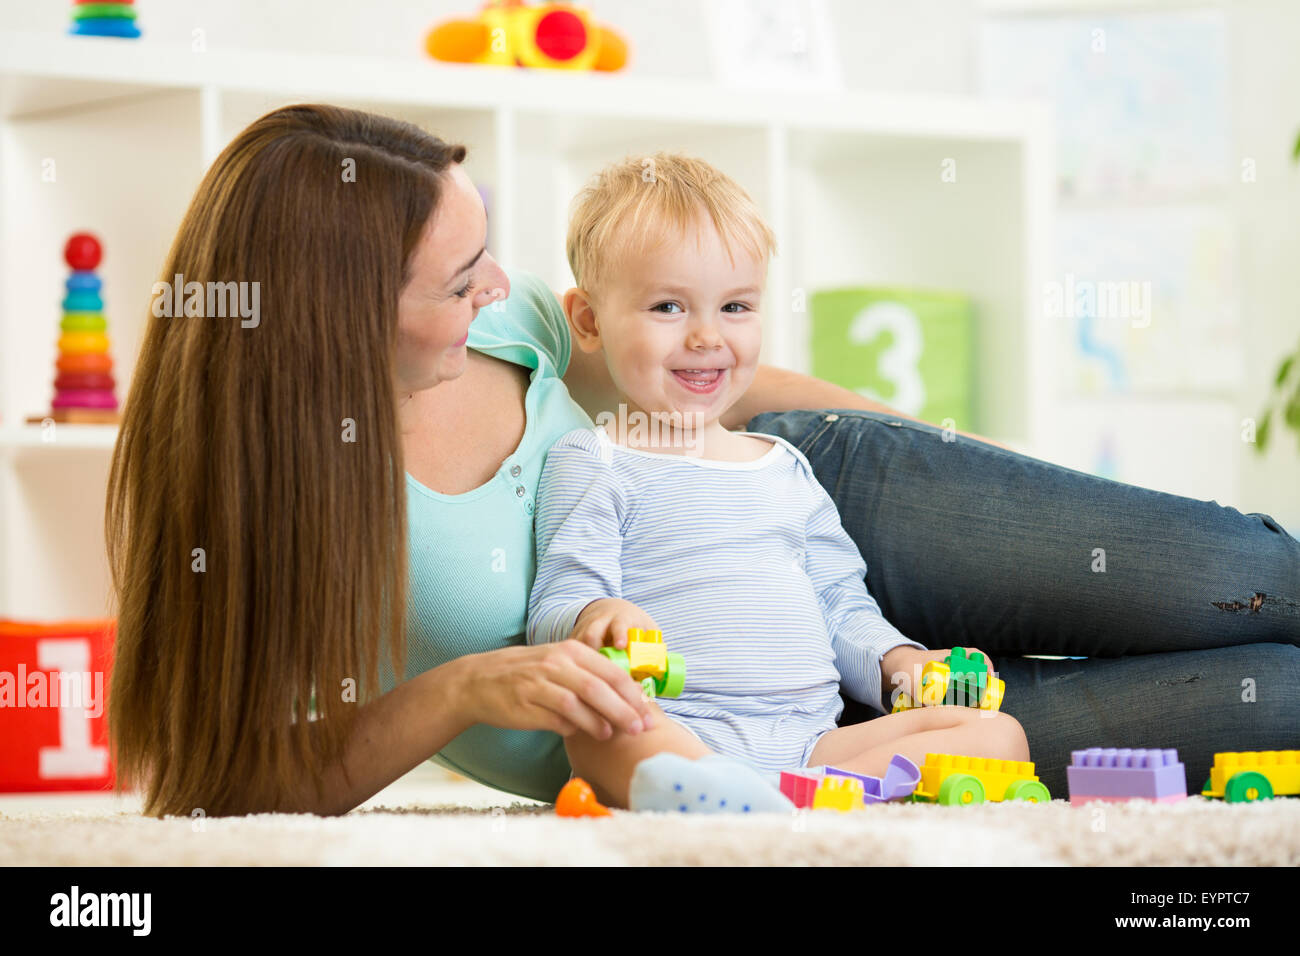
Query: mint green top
472,556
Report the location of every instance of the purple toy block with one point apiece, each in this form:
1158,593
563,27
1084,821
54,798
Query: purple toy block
870,785
1114,774
901,778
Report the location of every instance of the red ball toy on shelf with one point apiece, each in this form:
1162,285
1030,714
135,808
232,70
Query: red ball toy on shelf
83,252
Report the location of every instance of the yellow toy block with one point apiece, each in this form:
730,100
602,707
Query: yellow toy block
1280,767
647,656
934,688
934,683
992,699
997,776
838,793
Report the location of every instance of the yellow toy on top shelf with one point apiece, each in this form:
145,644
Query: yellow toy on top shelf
556,36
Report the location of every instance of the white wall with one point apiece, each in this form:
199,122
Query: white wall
1266,107
918,45
884,44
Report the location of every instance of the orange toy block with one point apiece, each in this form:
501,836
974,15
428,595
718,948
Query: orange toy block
577,799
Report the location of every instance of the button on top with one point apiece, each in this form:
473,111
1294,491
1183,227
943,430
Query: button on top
832,418
514,471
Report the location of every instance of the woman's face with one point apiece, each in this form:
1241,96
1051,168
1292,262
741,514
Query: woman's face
452,277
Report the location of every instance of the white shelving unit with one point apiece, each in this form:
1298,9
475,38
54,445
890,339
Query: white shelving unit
850,183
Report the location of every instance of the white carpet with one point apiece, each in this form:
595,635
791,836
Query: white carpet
411,823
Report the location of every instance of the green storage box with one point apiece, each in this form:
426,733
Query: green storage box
910,349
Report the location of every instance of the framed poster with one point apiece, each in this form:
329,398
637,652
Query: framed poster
773,44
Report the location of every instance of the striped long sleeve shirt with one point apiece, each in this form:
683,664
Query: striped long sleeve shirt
744,566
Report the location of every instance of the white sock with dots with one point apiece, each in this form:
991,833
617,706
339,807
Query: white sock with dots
712,784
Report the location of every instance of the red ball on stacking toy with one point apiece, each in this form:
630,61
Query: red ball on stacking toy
82,252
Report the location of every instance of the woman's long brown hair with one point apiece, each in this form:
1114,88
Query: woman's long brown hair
256,520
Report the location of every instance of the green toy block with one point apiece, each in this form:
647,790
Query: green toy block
674,679
618,655
971,672
670,684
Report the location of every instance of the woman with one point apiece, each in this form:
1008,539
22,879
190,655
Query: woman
351,473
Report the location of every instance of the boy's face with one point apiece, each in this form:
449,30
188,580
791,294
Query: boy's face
680,326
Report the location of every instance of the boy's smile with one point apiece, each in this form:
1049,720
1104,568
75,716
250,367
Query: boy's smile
702,380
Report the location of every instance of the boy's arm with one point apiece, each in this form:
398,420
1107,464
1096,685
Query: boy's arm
580,508
860,635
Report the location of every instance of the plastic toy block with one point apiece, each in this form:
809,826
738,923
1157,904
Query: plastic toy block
980,764
577,799
1249,775
648,662
970,673
992,779
646,653
971,670
799,788
934,683
900,780
992,699
1113,774
838,793
941,681
54,702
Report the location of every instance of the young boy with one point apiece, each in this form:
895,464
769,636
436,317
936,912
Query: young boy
725,541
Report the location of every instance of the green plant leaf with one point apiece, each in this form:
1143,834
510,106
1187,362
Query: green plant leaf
1292,413
1261,432
1295,153
1283,369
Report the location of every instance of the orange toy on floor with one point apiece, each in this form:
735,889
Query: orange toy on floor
577,799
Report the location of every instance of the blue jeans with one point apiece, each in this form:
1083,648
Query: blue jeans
1188,612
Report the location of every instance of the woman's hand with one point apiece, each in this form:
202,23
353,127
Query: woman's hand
605,623
565,688
901,666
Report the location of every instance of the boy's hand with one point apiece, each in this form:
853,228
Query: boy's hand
901,666
604,623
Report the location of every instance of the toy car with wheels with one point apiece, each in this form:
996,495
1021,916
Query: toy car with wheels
647,661
1247,776
954,780
958,679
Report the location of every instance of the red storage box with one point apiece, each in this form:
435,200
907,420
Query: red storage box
53,705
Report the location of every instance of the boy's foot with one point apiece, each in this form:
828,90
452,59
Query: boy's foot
712,784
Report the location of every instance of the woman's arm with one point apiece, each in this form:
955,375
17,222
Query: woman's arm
780,390
564,688
394,734
773,390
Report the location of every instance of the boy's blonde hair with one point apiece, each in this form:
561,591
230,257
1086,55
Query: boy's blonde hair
641,201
